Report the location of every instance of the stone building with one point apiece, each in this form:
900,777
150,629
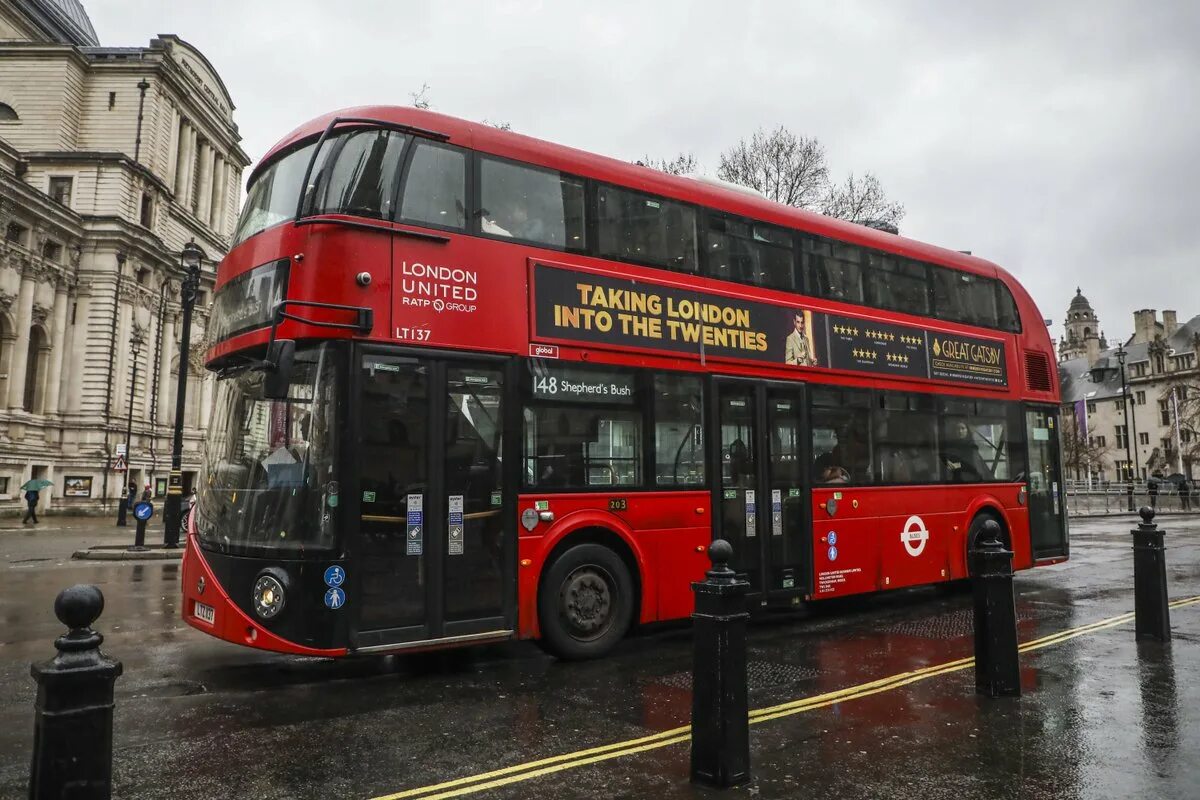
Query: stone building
1162,368
111,159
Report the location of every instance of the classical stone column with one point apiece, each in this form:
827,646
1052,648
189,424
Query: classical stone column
204,198
184,169
216,208
173,147
77,362
16,375
58,343
164,368
206,396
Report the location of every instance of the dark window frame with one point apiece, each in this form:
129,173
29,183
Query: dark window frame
705,260
594,246
411,148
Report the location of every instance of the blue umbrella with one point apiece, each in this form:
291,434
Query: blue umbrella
37,484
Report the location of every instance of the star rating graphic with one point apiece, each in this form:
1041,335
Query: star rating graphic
861,353
845,330
911,340
897,358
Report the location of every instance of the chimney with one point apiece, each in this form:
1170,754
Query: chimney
1170,324
1093,351
1143,326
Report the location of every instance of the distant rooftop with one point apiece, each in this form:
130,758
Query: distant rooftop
70,17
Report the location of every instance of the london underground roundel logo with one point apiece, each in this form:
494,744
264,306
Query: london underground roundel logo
914,536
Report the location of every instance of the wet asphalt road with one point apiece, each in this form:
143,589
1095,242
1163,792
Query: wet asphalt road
197,718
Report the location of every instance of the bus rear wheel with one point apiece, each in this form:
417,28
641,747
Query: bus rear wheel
585,602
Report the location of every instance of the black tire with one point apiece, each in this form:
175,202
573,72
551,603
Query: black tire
585,602
976,530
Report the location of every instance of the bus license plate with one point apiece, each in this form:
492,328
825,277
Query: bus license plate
205,613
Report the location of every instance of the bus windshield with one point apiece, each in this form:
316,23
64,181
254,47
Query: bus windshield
269,479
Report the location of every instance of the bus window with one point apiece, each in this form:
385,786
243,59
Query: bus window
435,189
678,431
273,196
1008,318
583,428
897,284
906,438
535,205
358,176
963,297
834,270
841,436
749,252
650,230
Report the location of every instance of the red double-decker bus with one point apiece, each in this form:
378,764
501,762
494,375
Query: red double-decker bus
475,386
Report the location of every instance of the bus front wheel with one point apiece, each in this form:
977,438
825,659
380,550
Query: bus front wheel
585,602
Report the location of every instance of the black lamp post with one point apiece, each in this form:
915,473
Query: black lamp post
1129,463
190,260
135,352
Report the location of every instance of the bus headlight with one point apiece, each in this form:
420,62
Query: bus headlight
270,596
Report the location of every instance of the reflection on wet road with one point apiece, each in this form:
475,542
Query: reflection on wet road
1101,717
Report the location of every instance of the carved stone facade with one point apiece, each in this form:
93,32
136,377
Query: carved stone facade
111,159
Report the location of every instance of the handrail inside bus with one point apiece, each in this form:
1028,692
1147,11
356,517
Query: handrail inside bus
369,121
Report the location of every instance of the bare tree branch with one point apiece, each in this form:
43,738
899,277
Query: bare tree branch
682,164
862,200
420,98
786,168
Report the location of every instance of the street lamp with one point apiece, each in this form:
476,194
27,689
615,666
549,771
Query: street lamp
135,351
1130,467
190,260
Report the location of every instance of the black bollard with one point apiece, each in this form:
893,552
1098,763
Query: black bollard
997,668
720,702
73,717
1152,615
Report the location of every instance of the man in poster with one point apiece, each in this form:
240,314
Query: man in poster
799,350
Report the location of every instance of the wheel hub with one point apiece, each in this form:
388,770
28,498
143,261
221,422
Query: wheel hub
587,601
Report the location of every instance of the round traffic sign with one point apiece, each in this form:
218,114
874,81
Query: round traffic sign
143,510
335,576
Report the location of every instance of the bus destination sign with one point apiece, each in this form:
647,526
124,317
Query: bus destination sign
607,310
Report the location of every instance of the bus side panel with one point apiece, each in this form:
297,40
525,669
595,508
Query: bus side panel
891,537
667,533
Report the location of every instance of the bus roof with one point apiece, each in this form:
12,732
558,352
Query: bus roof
488,139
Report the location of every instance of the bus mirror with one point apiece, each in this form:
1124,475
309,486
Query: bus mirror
278,378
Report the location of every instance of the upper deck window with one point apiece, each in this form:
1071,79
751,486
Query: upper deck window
534,205
749,252
963,297
897,284
834,269
644,229
358,176
435,189
273,195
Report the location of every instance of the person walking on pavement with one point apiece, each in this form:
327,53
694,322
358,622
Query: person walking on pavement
1152,488
31,501
1185,494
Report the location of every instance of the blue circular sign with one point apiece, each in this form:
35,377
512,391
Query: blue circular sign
335,598
832,553
143,510
335,576
832,537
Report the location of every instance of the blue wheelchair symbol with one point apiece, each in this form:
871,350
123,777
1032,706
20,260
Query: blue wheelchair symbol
143,510
335,598
335,576
832,537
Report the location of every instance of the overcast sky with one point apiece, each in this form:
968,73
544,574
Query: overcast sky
1060,140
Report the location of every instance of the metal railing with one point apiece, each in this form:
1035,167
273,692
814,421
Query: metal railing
1113,498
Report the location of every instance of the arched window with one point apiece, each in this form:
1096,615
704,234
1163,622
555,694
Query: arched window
8,113
35,369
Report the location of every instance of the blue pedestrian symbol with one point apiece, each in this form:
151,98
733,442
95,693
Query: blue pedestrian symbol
832,553
335,576
832,537
335,598
143,510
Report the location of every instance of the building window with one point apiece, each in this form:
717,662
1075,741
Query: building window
1141,398
1100,441
1139,369
1164,412
112,100
60,191
7,113
52,251
1144,438
143,275
146,215
1120,435
1091,407
1120,404
15,233
1185,435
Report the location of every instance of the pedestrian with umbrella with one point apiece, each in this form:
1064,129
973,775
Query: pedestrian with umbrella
33,489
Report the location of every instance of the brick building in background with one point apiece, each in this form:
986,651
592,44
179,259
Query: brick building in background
111,159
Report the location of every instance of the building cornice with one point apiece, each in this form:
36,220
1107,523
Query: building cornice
97,157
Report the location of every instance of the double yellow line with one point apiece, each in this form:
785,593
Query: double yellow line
581,758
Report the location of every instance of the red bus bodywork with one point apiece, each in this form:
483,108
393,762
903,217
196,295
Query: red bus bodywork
665,531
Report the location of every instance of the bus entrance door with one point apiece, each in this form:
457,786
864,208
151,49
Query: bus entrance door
434,549
761,494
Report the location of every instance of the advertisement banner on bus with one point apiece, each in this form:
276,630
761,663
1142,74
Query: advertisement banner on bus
612,311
